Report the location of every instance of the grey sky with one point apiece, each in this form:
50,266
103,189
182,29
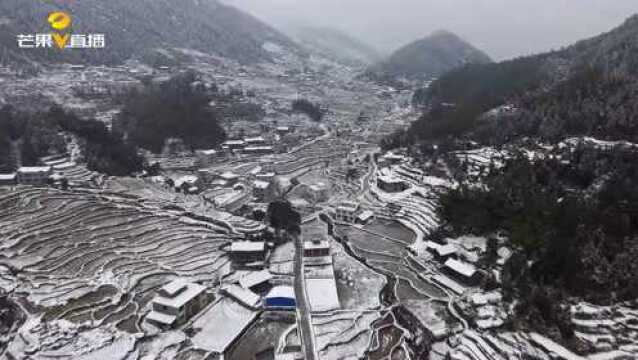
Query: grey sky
502,28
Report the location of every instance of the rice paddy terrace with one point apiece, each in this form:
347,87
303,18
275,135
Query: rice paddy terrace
79,259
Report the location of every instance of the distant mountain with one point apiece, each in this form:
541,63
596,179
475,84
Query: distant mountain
149,29
589,88
335,44
430,57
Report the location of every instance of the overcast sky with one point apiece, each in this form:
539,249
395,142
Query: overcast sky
502,28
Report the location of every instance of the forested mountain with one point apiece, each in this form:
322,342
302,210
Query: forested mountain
588,88
335,44
141,28
430,57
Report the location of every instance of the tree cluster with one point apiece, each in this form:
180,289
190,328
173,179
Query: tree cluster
305,106
178,108
573,224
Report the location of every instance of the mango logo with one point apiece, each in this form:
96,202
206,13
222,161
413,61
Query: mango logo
59,20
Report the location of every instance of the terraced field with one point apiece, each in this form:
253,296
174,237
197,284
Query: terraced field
93,260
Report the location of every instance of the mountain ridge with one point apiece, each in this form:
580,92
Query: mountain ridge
139,28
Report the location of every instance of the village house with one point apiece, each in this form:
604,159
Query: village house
176,302
258,150
244,252
262,190
233,145
283,130
441,252
255,141
347,211
257,281
8,179
206,157
242,295
464,272
34,175
316,248
365,217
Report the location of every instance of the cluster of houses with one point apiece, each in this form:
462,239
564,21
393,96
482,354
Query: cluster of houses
351,212
456,273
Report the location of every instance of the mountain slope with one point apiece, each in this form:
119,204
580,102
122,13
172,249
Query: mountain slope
431,56
588,88
141,28
335,44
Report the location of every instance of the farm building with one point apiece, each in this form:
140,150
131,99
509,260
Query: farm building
281,297
176,302
8,179
34,175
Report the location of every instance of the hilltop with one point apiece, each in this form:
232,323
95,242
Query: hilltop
430,57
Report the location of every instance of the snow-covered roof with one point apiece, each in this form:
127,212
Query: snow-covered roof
242,295
229,176
255,278
446,250
322,294
221,324
207,152
7,176
192,290
247,246
173,287
283,128
234,142
186,179
261,184
34,169
254,139
316,245
348,206
460,267
281,292
258,148
161,318
366,215
484,298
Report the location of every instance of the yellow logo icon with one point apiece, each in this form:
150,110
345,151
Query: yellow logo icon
59,20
